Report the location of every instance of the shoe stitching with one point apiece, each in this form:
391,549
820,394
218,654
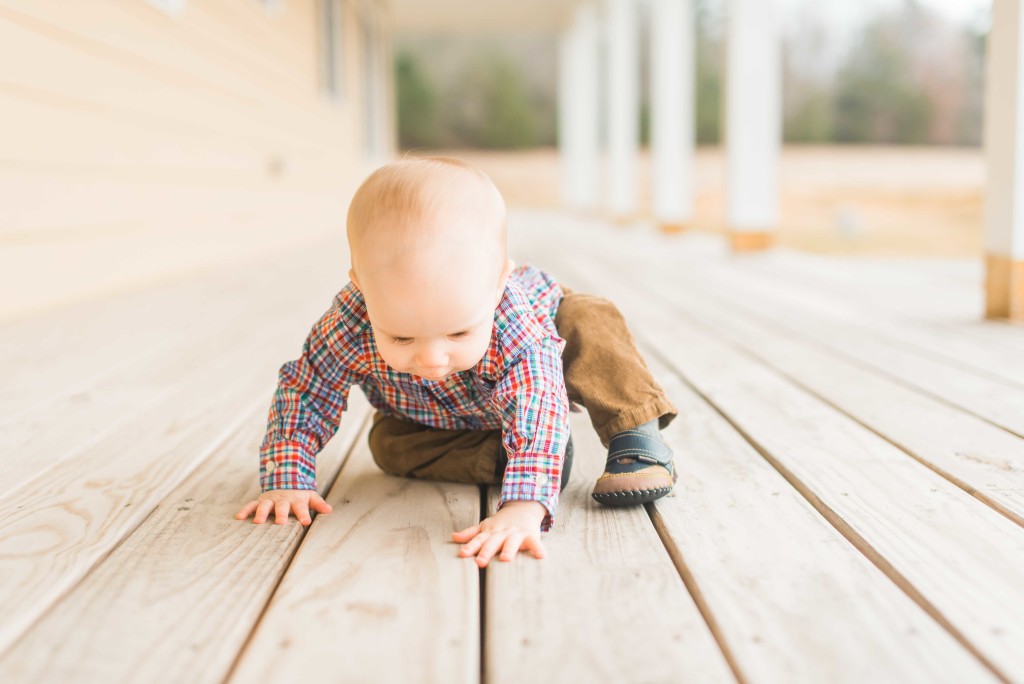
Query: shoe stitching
606,476
630,452
661,491
636,432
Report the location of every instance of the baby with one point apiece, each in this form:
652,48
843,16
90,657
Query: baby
471,363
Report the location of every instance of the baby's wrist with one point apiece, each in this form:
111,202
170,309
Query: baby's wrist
534,507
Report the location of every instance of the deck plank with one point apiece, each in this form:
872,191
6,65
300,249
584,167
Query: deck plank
717,277
58,524
87,372
934,297
794,601
178,598
982,394
56,527
605,605
980,458
958,558
62,351
377,591
949,344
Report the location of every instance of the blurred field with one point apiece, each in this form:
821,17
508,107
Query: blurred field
839,200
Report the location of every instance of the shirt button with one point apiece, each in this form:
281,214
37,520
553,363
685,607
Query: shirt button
271,465
542,479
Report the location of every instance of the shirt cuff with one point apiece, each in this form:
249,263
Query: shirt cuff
286,465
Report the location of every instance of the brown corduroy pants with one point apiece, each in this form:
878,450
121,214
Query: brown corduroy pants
603,371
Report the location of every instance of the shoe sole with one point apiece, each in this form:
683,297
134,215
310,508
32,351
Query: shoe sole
631,498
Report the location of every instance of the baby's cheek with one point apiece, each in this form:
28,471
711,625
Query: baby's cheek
393,360
475,352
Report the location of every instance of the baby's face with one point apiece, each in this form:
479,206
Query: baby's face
432,311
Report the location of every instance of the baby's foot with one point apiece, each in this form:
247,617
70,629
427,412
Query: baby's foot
639,468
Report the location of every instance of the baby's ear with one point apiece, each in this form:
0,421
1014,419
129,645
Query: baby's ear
509,266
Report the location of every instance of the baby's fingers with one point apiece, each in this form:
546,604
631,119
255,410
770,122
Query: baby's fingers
473,545
282,509
301,512
511,548
263,509
318,504
490,547
534,544
466,534
246,510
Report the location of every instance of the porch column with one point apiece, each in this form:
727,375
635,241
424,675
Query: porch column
578,109
1004,156
672,112
623,105
753,123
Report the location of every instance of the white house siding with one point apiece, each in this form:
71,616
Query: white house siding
139,145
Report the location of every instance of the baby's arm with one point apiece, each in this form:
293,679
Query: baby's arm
532,400
311,395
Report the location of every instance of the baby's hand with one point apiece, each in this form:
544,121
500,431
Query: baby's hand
284,501
516,525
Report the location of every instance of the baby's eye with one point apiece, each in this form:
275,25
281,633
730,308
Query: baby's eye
459,334
401,340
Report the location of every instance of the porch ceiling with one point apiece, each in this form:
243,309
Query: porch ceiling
479,16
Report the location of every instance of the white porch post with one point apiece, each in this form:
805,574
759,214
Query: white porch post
1004,156
623,105
578,108
753,123
672,112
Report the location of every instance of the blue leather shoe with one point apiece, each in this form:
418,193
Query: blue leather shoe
640,468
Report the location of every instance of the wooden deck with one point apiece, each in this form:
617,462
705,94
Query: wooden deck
850,505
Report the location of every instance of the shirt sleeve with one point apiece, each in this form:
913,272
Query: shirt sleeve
312,392
534,408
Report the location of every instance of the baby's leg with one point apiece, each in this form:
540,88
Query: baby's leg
604,370
409,449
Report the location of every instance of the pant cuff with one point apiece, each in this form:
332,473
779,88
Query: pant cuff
659,408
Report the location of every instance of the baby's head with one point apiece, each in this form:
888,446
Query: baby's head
429,254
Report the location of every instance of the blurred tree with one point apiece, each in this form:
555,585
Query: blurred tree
912,77
645,123
708,80
877,98
969,124
811,120
807,93
418,124
491,105
508,119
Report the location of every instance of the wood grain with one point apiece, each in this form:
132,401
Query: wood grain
90,371
605,605
186,586
376,592
977,456
792,598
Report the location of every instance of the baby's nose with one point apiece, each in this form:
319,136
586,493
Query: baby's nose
432,357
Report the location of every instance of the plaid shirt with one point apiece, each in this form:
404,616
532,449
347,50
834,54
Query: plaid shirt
517,387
